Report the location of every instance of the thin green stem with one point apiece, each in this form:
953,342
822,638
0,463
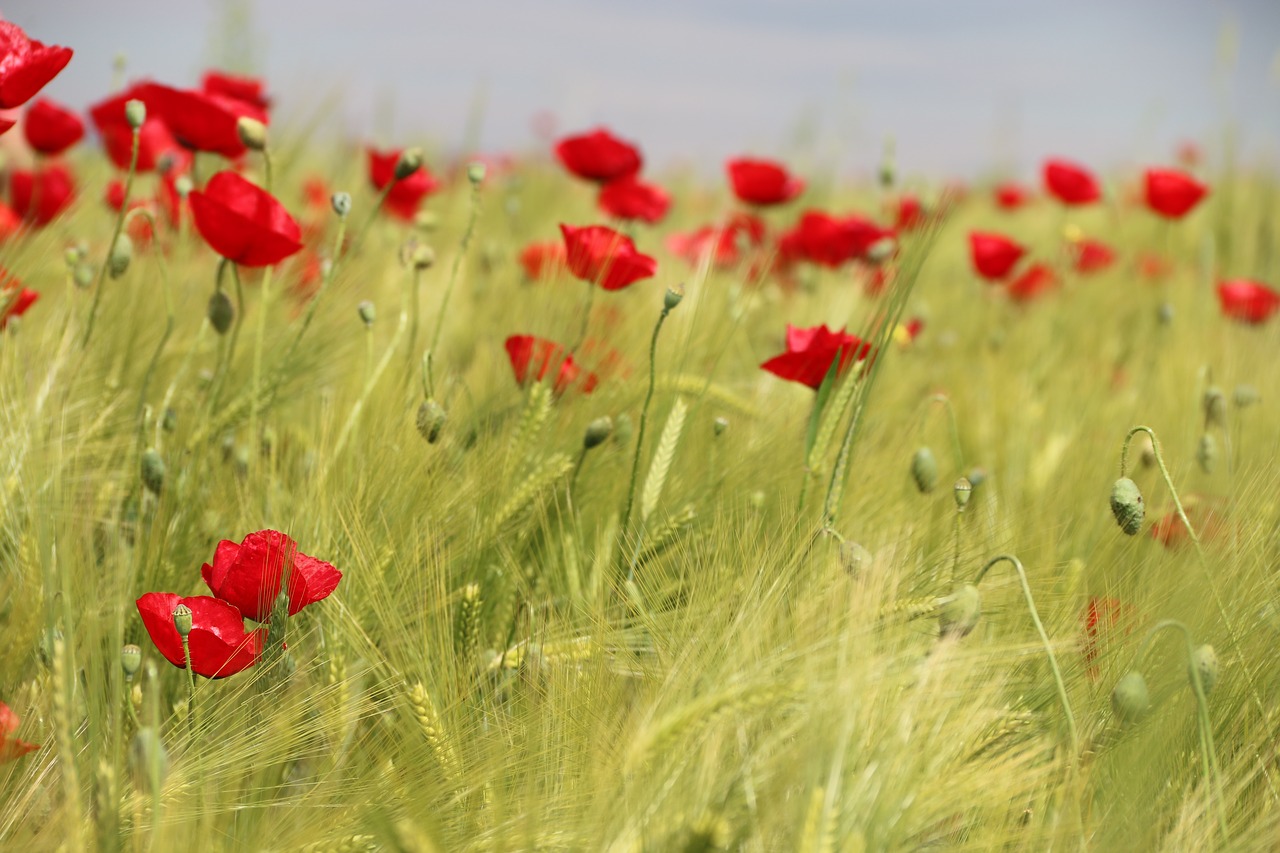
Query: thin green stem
457,264
255,402
586,317
168,327
955,429
191,690
644,421
373,214
115,237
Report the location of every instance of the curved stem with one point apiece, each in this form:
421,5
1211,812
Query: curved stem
453,270
644,420
955,429
115,237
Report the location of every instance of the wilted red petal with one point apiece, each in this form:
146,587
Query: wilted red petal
26,65
599,156
243,222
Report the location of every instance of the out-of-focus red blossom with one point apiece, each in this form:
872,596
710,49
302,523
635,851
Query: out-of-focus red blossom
533,357
544,260
811,352
40,196
218,642
762,182
630,198
905,333
10,222
6,124
247,90
1209,523
11,748
249,575
1070,183
405,196
599,156
1153,267
51,128
1102,617
199,120
1090,255
994,255
140,230
1171,193
1034,281
1011,196
1248,301
910,213
14,298
243,222
724,243
154,138
316,195
829,241
607,362
599,255
26,65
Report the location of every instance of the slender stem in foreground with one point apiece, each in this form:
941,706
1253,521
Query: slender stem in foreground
955,429
115,236
168,327
644,420
453,270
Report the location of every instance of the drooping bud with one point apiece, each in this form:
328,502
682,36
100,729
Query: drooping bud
1205,661
1207,453
475,173
719,425
221,312
135,112
182,619
341,203
367,312
83,275
1215,407
252,132
672,297
1127,506
130,661
121,255
1130,698
410,161
153,471
1245,396
1146,449
963,491
924,469
431,419
597,432
959,613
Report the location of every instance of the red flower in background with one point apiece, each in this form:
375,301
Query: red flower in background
51,128
406,195
599,255
26,65
830,241
630,198
218,642
1011,196
1171,193
1101,618
1209,523
243,222
6,124
11,748
910,213
41,195
249,575
246,90
532,358
1248,301
1090,256
811,352
1036,280
762,182
994,255
14,298
10,222
544,260
598,156
139,227
1152,267
199,120
724,243
154,138
1070,183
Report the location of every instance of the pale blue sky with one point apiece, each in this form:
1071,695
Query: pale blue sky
963,85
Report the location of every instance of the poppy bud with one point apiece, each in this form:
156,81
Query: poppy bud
1130,698
169,420
221,312
135,112
72,256
130,660
1205,660
121,255
252,132
152,471
341,203
183,185
422,257
597,431
881,250
962,490
431,419
1126,505
410,161
148,760
1245,396
367,312
924,469
1207,453
182,619
83,275
719,425
475,173
1215,406
672,297
960,612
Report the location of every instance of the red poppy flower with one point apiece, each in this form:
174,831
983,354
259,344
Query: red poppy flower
40,196
247,90
154,138
1091,255
910,214
1102,617
316,195
725,243
243,222
1152,267
26,65
1070,184
1037,279
532,358
51,128
1248,301
1171,193
829,241
199,120
811,352
1011,196
14,298
139,226
599,255
248,575
1209,522
6,124
599,156
544,260
994,255
10,222
11,748
406,195
630,198
762,182
218,642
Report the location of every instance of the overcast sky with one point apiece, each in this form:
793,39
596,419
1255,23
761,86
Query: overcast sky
964,86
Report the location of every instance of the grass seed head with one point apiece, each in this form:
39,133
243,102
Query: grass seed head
1127,506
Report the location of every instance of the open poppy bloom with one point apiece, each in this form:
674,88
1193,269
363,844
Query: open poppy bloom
543,260
1209,522
994,255
599,255
1171,193
11,749
1011,196
199,120
1090,255
1035,280
762,182
725,244
630,198
154,138
532,358
830,241
219,644
51,128
598,156
1248,301
249,575
1070,184
247,90
14,298
243,222
811,352
41,195
10,222
26,65
406,195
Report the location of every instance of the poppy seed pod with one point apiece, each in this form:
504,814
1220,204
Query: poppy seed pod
672,297
1245,396
475,173
1127,506
1215,407
135,113
368,313
152,471
597,432
960,612
924,470
1205,661
121,255
221,313
1130,698
431,420
1207,453
963,490
182,619
341,203
410,161
252,132
130,661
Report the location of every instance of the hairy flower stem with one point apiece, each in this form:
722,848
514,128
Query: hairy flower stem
644,420
1044,639
191,692
453,273
115,237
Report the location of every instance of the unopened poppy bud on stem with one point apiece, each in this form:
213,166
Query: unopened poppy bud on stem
719,425
431,420
1205,662
221,312
252,132
341,203
924,469
963,490
368,313
1127,505
182,619
1207,453
422,257
121,255
597,433
1130,699
183,186
130,661
1215,406
475,173
135,113
410,161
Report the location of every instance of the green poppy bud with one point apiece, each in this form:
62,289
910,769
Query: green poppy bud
152,471
924,470
1215,407
1245,396
252,133
135,112
221,312
182,619
1165,314
169,420
431,419
410,161
881,250
1127,506
422,257
183,185
475,173
597,432
83,275
368,313
1130,699
130,660
1207,453
672,297
341,203
719,425
963,491
1205,661
121,255
960,612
